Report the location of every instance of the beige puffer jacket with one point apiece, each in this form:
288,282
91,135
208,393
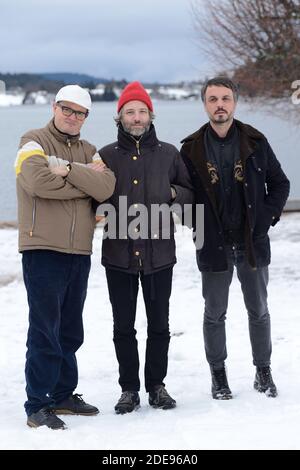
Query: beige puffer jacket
55,213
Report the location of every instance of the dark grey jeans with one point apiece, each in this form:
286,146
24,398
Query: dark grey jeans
215,290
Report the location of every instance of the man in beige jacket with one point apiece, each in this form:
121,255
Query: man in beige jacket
56,226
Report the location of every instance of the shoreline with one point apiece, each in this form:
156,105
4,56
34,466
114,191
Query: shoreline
8,224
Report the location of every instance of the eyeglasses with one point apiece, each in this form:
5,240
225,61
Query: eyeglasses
80,115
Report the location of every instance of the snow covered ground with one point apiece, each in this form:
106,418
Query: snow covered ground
249,421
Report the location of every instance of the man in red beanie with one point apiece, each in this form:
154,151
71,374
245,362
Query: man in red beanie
134,91
148,172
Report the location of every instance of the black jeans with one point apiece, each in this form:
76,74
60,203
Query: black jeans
56,285
215,290
123,291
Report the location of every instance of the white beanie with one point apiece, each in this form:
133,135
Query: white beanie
74,94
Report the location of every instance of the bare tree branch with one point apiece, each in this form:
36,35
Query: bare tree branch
257,40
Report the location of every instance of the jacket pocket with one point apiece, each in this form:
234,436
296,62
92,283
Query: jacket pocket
115,253
33,217
163,252
264,219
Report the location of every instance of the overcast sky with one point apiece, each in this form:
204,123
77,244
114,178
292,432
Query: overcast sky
146,40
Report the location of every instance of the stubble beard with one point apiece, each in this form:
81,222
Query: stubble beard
221,119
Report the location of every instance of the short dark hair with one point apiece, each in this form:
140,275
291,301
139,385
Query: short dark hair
220,81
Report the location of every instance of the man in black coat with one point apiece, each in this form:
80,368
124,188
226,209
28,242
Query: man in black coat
240,182
149,173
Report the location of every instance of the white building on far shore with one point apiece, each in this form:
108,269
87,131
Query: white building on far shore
7,99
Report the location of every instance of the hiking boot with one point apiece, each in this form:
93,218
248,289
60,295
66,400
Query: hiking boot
263,382
219,387
45,417
128,402
75,405
159,398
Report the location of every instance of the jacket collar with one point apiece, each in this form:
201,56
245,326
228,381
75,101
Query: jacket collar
229,136
248,137
127,141
61,136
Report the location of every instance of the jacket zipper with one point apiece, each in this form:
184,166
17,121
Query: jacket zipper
73,224
33,218
68,142
137,144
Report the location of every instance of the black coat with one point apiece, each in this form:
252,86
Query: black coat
266,189
145,171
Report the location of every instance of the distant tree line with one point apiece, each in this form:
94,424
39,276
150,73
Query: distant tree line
256,41
33,82
30,82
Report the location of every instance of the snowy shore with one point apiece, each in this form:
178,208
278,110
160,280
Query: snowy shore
249,421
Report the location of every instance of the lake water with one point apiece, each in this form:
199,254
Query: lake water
174,121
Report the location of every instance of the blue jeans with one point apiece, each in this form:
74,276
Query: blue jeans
215,290
56,285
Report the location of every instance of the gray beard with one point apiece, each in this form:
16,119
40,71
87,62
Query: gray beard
136,132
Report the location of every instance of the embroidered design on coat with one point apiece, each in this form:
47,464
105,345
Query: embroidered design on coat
238,171
213,173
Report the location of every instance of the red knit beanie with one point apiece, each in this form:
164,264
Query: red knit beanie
134,91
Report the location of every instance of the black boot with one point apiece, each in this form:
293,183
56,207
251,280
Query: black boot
159,398
219,387
263,381
128,402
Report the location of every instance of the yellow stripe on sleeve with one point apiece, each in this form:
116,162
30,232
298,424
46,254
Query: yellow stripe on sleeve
23,155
